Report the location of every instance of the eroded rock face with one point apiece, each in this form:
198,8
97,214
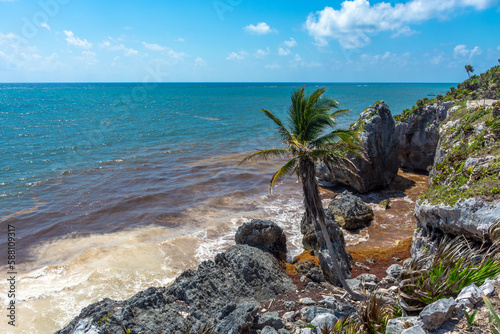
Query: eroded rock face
350,212
265,235
418,137
376,129
470,217
227,290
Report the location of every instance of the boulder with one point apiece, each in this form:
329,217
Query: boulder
265,235
418,136
470,217
394,271
338,242
376,130
271,319
398,325
414,330
322,320
268,330
470,295
228,289
433,315
309,313
350,211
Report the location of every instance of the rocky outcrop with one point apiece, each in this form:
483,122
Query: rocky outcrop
418,136
376,130
265,235
338,242
226,291
470,218
350,212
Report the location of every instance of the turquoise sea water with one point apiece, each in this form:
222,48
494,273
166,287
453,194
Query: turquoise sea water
110,154
117,187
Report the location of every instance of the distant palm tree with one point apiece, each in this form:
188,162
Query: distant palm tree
469,69
312,137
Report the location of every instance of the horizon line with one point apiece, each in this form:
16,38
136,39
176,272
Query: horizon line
227,82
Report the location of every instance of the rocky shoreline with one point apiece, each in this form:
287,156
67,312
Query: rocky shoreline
250,288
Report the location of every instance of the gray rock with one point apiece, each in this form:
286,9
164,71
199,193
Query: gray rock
306,301
368,278
228,289
322,320
376,129
265,235
354,283
397,325
289,316
470,217
414,330
268,330
310,312
312,286
338,242
433,315
283,331
289,305
316,275
487,288
271,319
350,211
395,271
471,293
306,331
418,137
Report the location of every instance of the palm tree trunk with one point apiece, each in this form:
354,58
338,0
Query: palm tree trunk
314,208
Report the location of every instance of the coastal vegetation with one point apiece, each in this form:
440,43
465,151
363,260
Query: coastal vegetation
312,137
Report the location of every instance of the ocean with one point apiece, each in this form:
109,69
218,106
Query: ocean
115,187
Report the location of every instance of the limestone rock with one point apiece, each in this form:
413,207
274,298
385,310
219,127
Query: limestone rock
324,319
397,325
433,315
271,319
418,136
414,330
265,235
228,289
350,211
376,129
471,294
394,271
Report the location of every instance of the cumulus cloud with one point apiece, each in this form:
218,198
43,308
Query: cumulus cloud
111,45
284,52
461,51
153,47
290,43
45,25
88,56
75,41
199,62
356,20
237,55
262,53
261,28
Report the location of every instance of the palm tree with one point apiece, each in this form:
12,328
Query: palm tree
312,137
469,69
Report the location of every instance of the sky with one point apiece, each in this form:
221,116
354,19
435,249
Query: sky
247,40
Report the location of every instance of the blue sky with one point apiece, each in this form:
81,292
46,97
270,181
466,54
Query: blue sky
243,40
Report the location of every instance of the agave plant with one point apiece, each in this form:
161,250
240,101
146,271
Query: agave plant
456,264
375,315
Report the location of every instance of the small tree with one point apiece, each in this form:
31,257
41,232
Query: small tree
311,137
469,69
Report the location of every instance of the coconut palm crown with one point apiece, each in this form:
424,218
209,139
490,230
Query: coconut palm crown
311,137
469,69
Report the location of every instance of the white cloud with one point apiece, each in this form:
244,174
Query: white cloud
283,52
180,39
297,58
153,47
89,57
461,51
436,60
111,45
262,53
45,25
75,41
356,20
261,28
290,43
273,66
237,55
199,62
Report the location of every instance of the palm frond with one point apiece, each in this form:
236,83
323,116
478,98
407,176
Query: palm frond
286,169
347,137
282,130
276,153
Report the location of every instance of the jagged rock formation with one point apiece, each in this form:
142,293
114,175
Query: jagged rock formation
376,129
264,235
418,136
464,186
350,212
226,291
338,242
